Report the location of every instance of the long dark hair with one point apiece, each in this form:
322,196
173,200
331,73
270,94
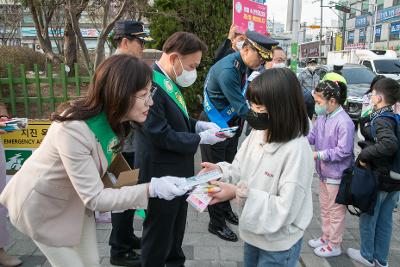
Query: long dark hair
112,90
280,91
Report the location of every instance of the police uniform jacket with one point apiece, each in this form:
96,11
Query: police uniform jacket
226,79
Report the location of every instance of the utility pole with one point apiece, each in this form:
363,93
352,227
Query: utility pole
344,30
375,17
304,32
320,32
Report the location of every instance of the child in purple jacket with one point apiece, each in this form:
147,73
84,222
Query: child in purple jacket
333,137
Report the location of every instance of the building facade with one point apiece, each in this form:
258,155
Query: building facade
367,29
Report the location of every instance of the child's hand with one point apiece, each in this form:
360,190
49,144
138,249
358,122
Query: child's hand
362,164
227,192
207,167
315,155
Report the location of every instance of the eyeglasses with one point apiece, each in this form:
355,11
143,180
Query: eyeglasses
148,97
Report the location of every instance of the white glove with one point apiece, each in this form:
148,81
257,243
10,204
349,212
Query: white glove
208,137
202,126
166,187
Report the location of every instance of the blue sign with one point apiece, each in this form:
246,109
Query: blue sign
388,14
378,31
351,36
362,21
362,34
395,27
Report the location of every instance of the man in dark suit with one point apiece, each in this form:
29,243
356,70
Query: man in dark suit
166,145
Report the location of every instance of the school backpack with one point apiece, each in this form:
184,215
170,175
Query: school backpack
395,166
358,190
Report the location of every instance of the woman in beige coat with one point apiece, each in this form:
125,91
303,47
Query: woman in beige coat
52,198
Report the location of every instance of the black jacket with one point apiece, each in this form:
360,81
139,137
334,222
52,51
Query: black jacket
223,50
380,154
166,142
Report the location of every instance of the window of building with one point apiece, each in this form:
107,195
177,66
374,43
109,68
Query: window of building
396,2
394,31
350,37
352,12
380,4
364,7
361,36
378,31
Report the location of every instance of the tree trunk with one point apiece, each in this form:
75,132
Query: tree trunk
70,46
74,17
100,54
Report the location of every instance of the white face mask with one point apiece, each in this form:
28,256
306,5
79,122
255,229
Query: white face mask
187,78
312,68
279,65
239,45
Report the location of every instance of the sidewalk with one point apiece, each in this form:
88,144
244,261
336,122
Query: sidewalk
203,249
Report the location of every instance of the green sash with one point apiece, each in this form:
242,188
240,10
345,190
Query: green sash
172,90
104,134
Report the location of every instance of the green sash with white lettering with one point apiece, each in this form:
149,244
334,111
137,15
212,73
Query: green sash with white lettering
104,134
172,90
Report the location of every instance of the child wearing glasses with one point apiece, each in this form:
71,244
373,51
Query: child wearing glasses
333,138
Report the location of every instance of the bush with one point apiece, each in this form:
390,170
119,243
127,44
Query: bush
210,20
17,55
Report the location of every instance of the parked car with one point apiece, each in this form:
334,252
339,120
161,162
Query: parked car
358,79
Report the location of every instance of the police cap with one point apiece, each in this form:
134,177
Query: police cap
312,60
262,43
131,28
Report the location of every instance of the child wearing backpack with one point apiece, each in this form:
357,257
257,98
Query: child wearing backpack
380,152
333,137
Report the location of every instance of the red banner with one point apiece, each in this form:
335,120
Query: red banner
249,15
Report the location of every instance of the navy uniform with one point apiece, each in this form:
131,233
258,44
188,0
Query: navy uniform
225,104
122,237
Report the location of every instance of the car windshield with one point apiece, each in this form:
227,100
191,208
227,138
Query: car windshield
387,66
358,75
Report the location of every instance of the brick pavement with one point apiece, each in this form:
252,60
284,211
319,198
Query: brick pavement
205,250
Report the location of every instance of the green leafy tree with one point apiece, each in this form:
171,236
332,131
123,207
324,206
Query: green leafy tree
208,19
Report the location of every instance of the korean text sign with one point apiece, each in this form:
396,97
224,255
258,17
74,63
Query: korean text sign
250,15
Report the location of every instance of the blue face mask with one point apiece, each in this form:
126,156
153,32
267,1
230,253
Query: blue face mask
320,110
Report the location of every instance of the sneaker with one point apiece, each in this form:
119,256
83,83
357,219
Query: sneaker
326,251
318,242
356,255
380,265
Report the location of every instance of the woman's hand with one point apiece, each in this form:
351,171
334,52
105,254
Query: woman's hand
167,187
228,192
207,167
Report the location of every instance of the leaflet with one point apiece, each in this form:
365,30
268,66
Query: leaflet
200,179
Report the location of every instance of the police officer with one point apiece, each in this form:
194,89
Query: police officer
231,45
225,105
309,79
129,37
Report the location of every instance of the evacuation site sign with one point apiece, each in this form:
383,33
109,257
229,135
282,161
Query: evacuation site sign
19,145
250,15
